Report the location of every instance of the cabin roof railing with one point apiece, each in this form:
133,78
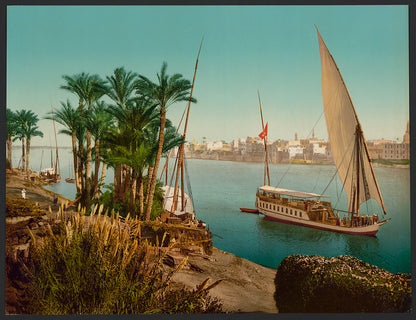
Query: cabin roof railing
291,193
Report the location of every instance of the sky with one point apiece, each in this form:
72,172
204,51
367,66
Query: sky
273,49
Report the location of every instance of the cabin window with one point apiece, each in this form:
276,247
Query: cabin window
278,208
286,210
300,214
274,207
296,213
290,211
266,206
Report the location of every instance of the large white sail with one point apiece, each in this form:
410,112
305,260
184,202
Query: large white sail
343,128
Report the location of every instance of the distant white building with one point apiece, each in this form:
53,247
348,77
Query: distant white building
216,145
295,150
239,146
293,143
318,150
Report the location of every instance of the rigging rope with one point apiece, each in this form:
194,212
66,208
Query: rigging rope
287,170
188,181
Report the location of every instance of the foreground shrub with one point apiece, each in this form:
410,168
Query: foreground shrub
339,284
98,265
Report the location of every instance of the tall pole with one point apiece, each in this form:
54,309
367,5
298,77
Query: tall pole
266,162
57,166
181,151
358,135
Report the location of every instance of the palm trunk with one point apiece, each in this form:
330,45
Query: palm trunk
96,167
126,182
81,166
158,155
149,179
88,172
9,151
74,155
102,177
27,155
140,193
23,154
133,192
117,182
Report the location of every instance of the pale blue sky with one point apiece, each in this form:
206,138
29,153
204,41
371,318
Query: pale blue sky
270,48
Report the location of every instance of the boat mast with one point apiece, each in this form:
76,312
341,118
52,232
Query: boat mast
266,162
181,148
57,166
357,143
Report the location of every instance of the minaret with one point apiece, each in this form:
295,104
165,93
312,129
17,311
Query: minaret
296,136
313,134
406,137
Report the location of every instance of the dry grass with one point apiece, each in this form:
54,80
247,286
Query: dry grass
99,264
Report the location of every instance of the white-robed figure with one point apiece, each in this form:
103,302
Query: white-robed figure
23,193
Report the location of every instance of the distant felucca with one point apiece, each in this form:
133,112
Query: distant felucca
53,174
70,180
353,162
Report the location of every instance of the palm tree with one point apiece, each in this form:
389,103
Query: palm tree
167,91
121,89
32,130
130,146
11,132
26,129
20,122
76,85
68,116
99,123
88,89
95,88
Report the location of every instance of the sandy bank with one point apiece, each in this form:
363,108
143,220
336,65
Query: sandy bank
245,287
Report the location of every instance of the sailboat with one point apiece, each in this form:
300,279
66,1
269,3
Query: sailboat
175,200
353,163
70,180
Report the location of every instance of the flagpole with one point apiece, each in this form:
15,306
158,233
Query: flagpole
266,162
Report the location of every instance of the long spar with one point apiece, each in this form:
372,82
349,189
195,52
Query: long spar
57,165
180,161
266,162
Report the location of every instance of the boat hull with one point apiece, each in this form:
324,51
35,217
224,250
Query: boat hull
254,211
370,230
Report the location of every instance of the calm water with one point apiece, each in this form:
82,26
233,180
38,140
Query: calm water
220,188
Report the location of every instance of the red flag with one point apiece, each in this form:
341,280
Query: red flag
263,134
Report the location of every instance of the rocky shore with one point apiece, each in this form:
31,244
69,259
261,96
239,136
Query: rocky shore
339,284
245,286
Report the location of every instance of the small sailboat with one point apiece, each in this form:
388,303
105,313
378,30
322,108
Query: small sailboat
175,200
248,210
353,162
70,179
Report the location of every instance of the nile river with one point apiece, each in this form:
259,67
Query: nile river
220,188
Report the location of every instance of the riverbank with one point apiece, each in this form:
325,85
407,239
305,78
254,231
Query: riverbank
245,286
376,162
